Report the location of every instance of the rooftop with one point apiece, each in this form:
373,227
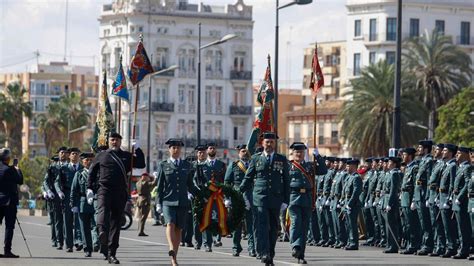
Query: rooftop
332,107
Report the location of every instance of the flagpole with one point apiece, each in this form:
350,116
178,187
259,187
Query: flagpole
315,164
119,114
132,150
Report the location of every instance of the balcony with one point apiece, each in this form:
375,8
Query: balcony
381,38
240,110
164,74
217,74
241,75
465,41
328,142
162,107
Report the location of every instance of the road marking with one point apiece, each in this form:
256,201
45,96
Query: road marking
162,244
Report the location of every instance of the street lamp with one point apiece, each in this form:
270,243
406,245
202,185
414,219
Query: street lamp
224,39
275,81
171,68
416,124
396,138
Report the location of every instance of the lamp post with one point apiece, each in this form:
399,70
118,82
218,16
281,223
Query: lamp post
148,144
222,40
396,90
275,80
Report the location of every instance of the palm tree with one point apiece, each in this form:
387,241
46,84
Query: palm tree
368,115
13,106
76,115
52,126
440,69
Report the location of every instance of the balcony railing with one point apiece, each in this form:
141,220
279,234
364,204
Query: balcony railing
164,74
464,40
242,75
162,107
240,110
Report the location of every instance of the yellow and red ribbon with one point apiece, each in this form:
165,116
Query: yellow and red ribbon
217,196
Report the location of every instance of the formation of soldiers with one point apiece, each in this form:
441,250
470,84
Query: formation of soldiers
418,201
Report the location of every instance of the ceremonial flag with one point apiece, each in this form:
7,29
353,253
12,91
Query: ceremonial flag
317,78
140,65
119,88
264,120
105,119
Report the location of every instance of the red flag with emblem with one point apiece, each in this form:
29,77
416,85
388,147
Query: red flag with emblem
317,78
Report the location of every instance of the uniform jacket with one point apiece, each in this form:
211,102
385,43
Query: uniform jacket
433,182
216,171
50,177
272,182
66,173
391,188
408,184
144,189
235,175
460,186
301,188
372,186
446,183
421,180
10,178
174,183
78,192
352,190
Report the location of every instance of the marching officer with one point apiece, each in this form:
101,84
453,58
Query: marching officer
50,199
352,190
369,223
369,200
439,237
188,231
336,194
322,223
379,198
410,216
270,172
445,201
199,181
109,170
302,197
391,205
144,187
328,178
79,204
420,195
460,201
234,176
174,183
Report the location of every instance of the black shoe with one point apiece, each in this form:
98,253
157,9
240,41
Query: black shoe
320,243
88,254
252,254
69,250
218,244
351,248
448,254
104,256
96,249
142,234
113,260
156,224
103,238
296,253
408,252
435,254
189,245
10,255
197,247
182,244
208,249
471,257
79,247
388,251
60,248
422,253
338,246
54,245
460,256
302,261
235,253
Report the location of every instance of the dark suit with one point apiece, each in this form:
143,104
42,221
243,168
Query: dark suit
10,178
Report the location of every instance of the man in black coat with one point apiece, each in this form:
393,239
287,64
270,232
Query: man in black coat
109,170
10,178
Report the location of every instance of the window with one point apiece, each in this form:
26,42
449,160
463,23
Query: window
218,130
239,97
390,57
161,58
439,26
334,133
140,28
132,29
38,105
191,131
181,128
391,29
356,70
219,100
236,133
117,54
215,33
191,93
239,60
297,132
321,133
372,57
106,32
208,130
357,28
186,60
181,99
90,91
162,30
106,62
414,27
373,30
465,32
161,93
208,100
118,30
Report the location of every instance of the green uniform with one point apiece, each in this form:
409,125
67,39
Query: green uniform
369,201
86,211
234,177
460,205
322,223
445,188
301,202
420,197
199,181
52,205
174,181
336,195
391,189
351,192
143,202
328,178
439,237
269,175
369,223
378,204
412,223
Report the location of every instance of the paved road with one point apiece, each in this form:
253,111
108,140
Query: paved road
154,250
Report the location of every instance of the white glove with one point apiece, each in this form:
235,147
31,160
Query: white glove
427,204
75,209
155,175
190,196
412,206
283,206
388,208
348,210
457,202
315,152
247,205
446,206
45,195
90,196
158,208
472,210
327,203
320,208
374,204
135,144
61,195
366,205
50,194
338,206
227,203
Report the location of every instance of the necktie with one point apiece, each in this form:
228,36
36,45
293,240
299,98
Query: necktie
269,158
212,163
176,163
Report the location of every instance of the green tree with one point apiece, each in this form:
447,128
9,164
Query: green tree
33,170
368,115
440,69
13,106
456,119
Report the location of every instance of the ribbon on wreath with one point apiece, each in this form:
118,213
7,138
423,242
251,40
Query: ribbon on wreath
217,196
